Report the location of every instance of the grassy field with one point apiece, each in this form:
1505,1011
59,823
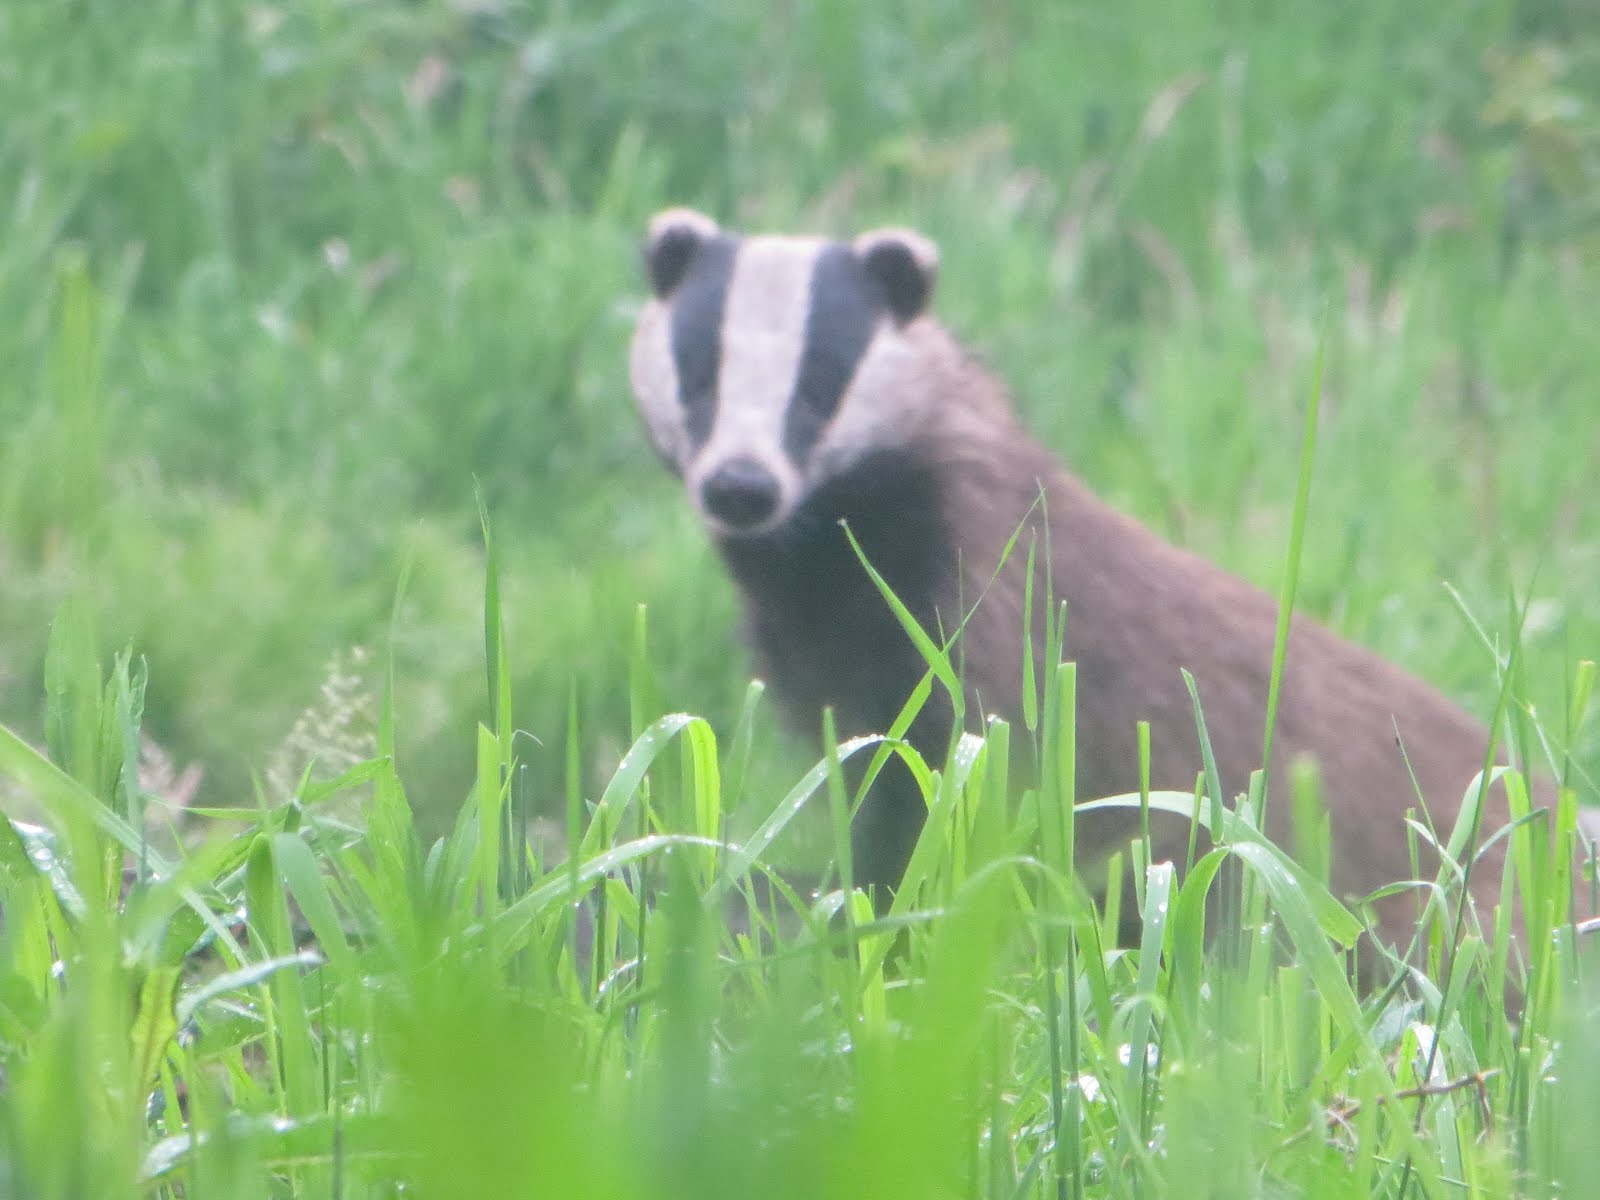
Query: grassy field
286,288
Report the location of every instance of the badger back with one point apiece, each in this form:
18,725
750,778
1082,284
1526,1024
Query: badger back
765,366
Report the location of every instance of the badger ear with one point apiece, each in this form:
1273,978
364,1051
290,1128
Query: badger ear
905,263
675,235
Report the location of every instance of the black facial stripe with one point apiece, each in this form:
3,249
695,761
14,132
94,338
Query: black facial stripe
697,307
846,304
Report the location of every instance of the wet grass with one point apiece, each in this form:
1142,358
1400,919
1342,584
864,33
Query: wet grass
285,289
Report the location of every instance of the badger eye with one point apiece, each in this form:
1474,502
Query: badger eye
697,317
821,389
699,414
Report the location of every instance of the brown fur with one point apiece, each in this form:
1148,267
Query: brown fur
933,517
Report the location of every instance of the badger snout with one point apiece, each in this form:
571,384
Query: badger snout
741,495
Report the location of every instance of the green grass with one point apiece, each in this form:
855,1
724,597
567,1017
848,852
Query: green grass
283,285
285,288
460,1027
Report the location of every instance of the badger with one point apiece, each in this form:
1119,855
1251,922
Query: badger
800,387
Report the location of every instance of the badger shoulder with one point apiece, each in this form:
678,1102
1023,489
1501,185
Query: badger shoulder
819,415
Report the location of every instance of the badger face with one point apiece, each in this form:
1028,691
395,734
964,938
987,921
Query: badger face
765,366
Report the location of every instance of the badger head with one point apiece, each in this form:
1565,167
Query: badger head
766,366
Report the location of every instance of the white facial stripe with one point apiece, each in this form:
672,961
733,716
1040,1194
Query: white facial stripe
654,375
883,406
763,336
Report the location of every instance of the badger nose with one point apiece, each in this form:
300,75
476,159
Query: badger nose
741,493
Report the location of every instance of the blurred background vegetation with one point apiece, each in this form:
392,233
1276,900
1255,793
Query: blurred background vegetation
282,284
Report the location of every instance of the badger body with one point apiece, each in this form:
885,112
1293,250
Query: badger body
798,385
